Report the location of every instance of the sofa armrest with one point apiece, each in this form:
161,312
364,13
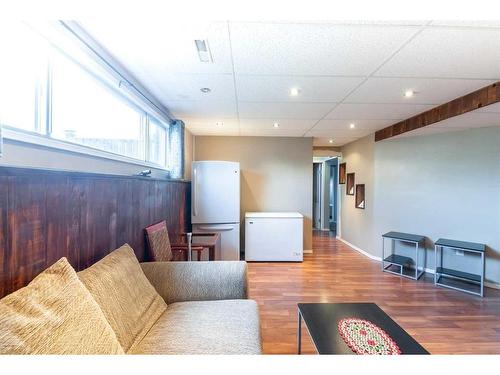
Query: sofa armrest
198,281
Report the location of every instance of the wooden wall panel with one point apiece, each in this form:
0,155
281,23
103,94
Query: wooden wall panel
46,215
58,224
27,245
4,270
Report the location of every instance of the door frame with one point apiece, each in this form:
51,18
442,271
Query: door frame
318,192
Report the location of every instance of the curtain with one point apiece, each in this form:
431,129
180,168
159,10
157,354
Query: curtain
176,149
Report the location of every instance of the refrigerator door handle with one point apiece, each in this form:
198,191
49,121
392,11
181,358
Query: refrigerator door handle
217,228
195,200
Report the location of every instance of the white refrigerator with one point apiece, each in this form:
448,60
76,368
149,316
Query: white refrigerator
215,203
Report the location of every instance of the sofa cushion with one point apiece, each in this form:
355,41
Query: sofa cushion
55,314
205,327
129,302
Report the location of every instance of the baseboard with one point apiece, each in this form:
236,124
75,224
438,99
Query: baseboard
427,270
379,259
308,251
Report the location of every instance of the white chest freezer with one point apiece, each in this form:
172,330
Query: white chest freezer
274,236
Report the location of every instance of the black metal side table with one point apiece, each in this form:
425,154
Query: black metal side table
454,279
404,263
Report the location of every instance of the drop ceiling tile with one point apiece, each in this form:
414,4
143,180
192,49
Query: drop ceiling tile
201,108
357,112
314,49
345,124
151,48
271,132
221,132
446,52
280,111
168,86
455,23
228,128
267,124
338,133
317,141
427,90
210,122
311,89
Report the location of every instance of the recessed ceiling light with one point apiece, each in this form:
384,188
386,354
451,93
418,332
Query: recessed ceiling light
294,91
276,125
205,90
330,141
409,93
352,126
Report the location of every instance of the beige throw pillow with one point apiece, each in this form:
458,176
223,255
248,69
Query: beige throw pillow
55,314
126,297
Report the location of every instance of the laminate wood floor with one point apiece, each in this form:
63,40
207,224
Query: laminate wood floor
444,321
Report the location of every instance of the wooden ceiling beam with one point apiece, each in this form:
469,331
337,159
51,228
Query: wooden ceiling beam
481,98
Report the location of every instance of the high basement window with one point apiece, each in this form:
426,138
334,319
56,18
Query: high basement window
47,92
23,74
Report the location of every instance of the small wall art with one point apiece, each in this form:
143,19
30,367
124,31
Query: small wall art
342,172
360,196
350,184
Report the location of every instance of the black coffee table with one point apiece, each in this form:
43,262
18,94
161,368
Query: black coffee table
321,320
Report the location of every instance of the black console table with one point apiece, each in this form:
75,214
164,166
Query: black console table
455,279
403,263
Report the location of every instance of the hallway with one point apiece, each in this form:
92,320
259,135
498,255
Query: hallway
441,320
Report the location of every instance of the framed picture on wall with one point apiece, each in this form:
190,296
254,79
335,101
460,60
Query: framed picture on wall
350,184
360,196
342,172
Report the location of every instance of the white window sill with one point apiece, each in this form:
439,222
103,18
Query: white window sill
58,145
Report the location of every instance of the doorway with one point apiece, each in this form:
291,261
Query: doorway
332,184
325,194
317,192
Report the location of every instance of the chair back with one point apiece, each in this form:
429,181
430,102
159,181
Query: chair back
159,242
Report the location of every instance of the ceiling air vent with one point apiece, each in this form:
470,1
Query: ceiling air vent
203,50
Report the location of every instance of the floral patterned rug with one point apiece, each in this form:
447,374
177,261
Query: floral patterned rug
364,337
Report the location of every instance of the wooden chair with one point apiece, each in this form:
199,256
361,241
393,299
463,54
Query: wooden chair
161,248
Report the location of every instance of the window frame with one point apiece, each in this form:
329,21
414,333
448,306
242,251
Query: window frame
42,133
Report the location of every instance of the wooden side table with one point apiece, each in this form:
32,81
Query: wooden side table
210,241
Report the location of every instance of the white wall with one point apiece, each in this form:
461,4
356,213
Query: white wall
19,154
357,224
444,185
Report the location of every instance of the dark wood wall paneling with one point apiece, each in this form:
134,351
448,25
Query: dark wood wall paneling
481,98
46,215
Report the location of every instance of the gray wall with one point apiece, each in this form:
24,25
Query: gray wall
276,172
445,185
356,224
